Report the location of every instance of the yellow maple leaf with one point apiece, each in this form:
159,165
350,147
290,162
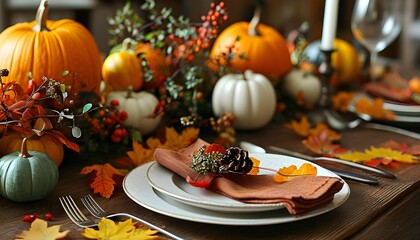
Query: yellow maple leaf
287,173
377,153
108,229
174,141
40,230
388,153
103,182
140,154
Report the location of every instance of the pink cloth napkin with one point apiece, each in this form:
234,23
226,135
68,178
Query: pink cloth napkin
300,195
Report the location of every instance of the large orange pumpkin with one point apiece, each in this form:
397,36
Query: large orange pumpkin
263,47
47,48
13,141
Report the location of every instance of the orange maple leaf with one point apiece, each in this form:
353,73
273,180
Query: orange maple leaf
302,127
287,173
342,100
256,163
103,178
374,108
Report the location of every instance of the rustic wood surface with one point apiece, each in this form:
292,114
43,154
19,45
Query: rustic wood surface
387,211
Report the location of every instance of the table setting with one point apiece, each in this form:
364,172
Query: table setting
203,131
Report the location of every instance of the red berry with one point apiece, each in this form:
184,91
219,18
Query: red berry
115,103
214,147
123,115
30,218
48,216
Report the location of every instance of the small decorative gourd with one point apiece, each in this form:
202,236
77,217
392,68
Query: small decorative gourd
250,97
139,106
13,141
27,176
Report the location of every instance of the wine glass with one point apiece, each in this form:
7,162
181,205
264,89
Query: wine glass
375,24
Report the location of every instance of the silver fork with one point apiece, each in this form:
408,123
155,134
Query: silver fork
74,213
94,208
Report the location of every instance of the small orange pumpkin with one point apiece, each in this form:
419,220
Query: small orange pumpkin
264,48
13,141
157,61
122,70
47,48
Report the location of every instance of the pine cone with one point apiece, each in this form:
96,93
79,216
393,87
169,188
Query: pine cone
235,160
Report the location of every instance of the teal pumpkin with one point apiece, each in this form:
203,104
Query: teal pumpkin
27,176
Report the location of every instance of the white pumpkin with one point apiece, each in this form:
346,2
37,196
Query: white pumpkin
139,106
250,97
299,81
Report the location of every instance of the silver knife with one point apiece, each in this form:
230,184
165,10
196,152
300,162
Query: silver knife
337,160
345,174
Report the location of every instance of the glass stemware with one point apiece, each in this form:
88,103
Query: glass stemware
375,24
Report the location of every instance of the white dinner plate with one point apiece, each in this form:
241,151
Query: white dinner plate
137,187
171,184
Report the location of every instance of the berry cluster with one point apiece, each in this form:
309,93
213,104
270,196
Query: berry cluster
109,123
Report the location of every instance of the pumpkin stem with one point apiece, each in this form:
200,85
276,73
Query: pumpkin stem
41,17
129,91
24,150
128,44
252,28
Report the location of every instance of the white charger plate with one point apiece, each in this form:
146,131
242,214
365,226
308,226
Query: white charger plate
137,187
177,188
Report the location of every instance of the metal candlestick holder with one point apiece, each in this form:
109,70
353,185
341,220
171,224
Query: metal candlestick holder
326,70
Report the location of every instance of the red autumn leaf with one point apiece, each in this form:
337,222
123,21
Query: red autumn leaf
321,144
103,178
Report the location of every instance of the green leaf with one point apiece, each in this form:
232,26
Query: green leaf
87,107
76,132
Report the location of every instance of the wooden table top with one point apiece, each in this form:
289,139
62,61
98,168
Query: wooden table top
387,211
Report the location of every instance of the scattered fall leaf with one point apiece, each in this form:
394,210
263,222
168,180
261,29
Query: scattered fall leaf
413,149
108,229
322,128
342,100
256,164
385,155
374,108
142,154
321,143
103,178
301,127
287,173
40,230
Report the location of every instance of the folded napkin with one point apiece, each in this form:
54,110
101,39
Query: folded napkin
300,195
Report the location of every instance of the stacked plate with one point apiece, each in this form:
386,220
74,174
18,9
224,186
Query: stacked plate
159,189
405,113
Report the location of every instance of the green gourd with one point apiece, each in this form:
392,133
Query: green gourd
27,176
